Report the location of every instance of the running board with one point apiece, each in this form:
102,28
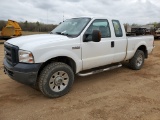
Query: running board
99,71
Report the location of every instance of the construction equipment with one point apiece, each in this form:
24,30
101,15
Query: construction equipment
12,29
139,30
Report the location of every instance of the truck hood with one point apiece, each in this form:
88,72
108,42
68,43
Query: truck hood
33,41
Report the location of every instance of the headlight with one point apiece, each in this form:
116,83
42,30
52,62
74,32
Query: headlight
25,56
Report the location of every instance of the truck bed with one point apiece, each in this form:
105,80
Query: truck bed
133,44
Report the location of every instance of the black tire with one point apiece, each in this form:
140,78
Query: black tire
137,60
56,79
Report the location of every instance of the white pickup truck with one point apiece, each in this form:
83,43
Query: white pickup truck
82,46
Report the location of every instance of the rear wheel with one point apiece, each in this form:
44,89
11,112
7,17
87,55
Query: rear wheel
137,61
56,79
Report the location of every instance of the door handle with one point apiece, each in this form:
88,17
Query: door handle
112,43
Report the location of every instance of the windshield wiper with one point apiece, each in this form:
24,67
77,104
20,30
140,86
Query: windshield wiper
68,35
61,33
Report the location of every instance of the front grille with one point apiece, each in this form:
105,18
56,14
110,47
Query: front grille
11,53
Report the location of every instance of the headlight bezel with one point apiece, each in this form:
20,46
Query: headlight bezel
25,56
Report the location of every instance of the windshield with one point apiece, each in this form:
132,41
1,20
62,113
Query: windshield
71,27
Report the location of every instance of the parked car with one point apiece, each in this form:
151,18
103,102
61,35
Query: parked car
157,33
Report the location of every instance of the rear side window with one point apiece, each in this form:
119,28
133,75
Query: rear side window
117,28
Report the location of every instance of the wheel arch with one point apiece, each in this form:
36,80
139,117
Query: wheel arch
64,59
144,49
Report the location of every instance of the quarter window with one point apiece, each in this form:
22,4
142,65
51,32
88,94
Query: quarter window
117,28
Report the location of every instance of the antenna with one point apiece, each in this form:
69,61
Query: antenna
47,20
47,16
63,16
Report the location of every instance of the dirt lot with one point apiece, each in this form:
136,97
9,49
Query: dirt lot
120,94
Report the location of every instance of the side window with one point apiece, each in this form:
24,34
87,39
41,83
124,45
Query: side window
102,26
117,28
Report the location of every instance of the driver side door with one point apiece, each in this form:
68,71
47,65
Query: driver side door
95,54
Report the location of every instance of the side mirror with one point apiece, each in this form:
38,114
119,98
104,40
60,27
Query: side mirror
96,36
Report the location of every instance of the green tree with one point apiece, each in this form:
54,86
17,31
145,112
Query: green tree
38,26
155,24
26,25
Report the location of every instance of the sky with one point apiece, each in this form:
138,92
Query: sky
53,11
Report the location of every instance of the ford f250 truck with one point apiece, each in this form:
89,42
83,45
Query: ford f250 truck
82,46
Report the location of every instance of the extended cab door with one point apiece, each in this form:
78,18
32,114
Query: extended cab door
96,54
119,41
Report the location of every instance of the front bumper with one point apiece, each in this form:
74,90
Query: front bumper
22,72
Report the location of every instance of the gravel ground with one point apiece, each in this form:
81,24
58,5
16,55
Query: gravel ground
120,94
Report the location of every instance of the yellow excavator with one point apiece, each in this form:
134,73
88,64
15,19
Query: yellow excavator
12,29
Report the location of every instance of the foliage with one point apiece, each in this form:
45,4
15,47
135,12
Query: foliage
31,26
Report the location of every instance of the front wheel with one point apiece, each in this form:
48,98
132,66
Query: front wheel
56,79
137,61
